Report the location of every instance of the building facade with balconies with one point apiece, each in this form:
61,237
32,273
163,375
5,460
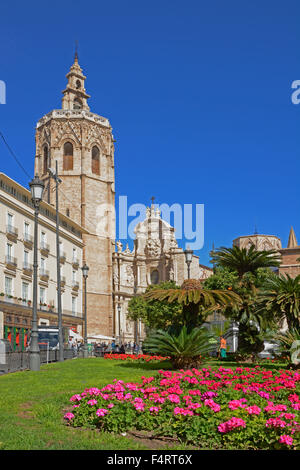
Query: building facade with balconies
16,265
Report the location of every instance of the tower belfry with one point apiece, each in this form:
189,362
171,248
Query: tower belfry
75,96
82,144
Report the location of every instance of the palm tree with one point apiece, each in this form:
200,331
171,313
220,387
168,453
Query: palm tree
185,348
281,297
243,260
197,302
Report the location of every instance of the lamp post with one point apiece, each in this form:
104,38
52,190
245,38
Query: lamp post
119,321
188,259
85,271
54,175
36,187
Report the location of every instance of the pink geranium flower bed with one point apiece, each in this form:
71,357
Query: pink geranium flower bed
241,408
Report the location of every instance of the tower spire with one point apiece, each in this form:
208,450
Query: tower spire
75,96
292,243
76,51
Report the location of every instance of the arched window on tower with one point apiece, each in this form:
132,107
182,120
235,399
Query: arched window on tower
46,161
77,104
68,156
78,84
95,161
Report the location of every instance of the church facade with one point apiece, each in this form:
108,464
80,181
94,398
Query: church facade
156,257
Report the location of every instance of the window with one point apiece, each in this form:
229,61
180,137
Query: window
10,220
26,259
43,240
68,156
25,290
95,161
68,212
8,286
26,230
43,266
74,306
9,250
46,162
42,295
73,277
78,84
77,104
154,277
74,255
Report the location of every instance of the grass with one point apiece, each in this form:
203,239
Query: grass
32,404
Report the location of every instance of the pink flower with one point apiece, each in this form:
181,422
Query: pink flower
276,423
75,398
154,409
139,406
69,416
253,410
92,402
286,439
234,404
174,398
231,424
101,412
296,406
111,405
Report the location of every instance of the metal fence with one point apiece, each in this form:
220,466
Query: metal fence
20,360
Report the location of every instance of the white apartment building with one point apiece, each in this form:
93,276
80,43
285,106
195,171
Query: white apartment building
16,265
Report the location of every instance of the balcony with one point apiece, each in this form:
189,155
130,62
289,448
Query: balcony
62,257
11,232
75,263
62,281
28,240
44,275
75,285
27,269
11,262
44,248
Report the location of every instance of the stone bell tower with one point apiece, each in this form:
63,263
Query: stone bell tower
82,144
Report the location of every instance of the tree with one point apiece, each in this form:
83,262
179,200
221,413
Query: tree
252,268
155,314
196,301
281,296
223,278
243,260
184,347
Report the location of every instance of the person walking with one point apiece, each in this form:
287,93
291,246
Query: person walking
223,345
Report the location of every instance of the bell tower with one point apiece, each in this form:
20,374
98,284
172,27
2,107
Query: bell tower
82,144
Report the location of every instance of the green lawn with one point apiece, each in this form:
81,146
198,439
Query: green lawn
32,404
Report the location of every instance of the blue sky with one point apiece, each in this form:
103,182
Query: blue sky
198,94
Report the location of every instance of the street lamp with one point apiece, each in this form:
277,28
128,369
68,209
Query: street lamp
36,187
85,272
119,321
54,174
188,259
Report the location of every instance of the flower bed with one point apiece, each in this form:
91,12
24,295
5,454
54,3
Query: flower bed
241,408
135,357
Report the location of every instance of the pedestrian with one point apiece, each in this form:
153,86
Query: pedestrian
223,344
122,349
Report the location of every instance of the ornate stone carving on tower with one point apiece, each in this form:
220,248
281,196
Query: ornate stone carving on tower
82,144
